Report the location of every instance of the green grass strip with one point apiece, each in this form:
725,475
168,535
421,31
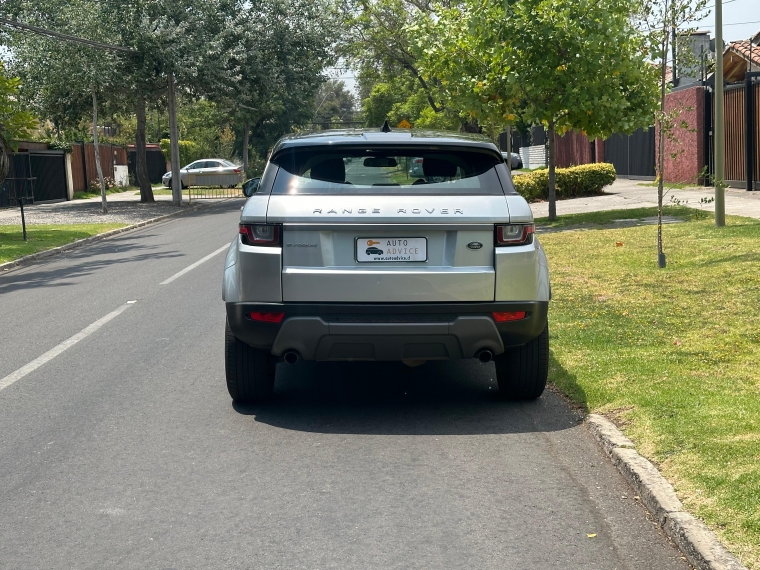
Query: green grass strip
42,237
671,355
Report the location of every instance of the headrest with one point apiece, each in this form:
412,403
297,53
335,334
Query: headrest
439,167
330,170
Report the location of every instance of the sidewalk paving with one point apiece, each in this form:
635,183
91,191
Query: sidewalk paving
625,194
123,208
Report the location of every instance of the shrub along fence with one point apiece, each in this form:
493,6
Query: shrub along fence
573,182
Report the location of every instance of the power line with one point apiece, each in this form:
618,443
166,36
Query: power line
65,37
733,24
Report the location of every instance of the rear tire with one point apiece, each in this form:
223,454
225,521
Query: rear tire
250,371
521,372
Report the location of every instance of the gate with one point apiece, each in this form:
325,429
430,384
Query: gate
633,156
206,193
49,168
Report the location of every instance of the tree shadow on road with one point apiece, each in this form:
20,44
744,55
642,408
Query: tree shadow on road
438,398
83,262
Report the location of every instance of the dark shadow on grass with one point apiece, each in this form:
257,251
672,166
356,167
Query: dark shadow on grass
459,398
567,384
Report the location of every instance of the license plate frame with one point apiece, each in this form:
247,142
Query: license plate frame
389,247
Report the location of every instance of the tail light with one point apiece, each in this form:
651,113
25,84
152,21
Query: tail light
515,234
238,171
267,317
418,160
505,316
260,234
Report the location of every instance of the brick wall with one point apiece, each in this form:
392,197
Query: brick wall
689,162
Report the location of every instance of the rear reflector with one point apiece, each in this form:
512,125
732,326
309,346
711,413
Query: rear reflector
508,316
268,317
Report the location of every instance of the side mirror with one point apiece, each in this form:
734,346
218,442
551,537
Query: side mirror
251,186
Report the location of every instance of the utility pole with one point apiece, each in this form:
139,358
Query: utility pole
174,144
718,134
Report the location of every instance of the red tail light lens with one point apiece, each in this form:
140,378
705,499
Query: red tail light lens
267,317
418,160
503,317
515,234
260,234
238,171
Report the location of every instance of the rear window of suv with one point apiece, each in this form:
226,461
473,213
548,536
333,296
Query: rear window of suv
385,170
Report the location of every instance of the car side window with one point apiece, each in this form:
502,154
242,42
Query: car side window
212,164
195,165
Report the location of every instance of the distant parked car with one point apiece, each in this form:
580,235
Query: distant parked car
416,170
208,172
516,160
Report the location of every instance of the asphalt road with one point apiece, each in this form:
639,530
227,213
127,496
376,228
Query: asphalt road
125,451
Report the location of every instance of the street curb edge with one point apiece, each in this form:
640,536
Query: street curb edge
88,240
698,543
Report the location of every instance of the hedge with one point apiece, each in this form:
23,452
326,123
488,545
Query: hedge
188,151
573,182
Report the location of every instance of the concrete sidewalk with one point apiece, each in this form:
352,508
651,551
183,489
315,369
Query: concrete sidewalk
123,207
626,194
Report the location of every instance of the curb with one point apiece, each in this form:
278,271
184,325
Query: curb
698,543
88,240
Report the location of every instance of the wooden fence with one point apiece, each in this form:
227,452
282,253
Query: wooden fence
735,135
83,167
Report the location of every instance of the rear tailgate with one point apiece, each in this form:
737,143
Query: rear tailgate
447,241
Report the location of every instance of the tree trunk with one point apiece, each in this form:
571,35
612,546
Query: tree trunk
97,152
552,189
661,151
174,143
246,130
141,161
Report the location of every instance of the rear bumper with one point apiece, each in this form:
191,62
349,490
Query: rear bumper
338,331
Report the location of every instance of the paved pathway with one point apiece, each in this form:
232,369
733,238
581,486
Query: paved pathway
626,194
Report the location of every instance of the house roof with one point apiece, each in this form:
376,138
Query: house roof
736,59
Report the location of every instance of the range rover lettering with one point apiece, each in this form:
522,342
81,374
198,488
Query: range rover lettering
385,246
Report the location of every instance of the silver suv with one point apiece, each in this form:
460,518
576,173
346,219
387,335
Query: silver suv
342,255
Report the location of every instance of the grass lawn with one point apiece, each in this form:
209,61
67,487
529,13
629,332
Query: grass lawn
671,355
13,246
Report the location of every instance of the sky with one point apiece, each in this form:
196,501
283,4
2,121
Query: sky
741,19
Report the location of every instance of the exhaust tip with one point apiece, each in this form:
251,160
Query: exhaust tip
484,355
291,357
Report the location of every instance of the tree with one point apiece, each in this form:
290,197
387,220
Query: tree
73,72
15,122
570,64
663,22
333,102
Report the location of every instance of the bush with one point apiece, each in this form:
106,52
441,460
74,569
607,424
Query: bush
573,182
188,152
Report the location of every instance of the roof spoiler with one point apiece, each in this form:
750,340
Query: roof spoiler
386,128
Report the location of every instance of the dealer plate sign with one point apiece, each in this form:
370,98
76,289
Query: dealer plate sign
370,250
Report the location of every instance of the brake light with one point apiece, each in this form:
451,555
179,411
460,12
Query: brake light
418,160
260,234
267,317
238,171
503,317
515,234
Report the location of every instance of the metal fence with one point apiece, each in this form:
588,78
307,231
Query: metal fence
209,193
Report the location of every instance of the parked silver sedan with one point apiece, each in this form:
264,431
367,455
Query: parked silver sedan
208,172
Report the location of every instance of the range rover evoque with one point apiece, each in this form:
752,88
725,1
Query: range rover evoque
342,255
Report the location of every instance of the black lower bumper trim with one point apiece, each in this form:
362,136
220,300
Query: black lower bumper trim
262,335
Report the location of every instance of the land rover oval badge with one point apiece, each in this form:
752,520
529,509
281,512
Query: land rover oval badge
474,245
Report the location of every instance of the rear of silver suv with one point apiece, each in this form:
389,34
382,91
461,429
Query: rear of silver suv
342,255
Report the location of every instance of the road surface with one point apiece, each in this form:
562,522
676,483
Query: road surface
120,447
